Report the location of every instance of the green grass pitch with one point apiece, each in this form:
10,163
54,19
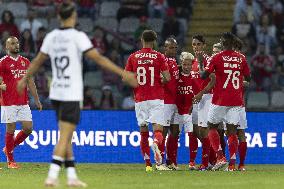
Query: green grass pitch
133,176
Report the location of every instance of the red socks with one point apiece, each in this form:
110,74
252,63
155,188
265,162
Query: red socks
233,148
214,138
145,148
158,138
169,149
21,136
10,146
193,145
212,156
222,141
205,151
242,152
172,148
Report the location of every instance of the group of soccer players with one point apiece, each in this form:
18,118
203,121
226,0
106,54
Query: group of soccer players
205,94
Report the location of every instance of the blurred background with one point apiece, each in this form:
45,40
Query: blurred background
115,26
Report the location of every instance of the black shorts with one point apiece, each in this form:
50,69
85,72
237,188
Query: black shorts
68,111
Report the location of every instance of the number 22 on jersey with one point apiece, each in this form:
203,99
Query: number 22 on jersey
142,75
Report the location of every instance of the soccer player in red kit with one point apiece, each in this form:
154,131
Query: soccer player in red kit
186,92
15,107
203,100
149,64
230,68
171,125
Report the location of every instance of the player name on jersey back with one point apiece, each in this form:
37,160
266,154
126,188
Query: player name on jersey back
148,65
230,68
65,48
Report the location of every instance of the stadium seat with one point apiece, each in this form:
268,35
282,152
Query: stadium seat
109,8
107,23
43,21
128,25
86,24
258,100
93,79
18,21
98,95
53,23
2,8
156,24
277,99
19,9
183,22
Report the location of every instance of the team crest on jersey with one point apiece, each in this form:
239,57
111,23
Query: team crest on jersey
23,63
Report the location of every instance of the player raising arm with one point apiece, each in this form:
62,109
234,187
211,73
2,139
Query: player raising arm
15,107
65,47
148,64
230,68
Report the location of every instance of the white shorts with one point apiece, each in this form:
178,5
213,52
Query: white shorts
195,114
171,114
186,121
229,114
243,119
13,114
203,108
150,111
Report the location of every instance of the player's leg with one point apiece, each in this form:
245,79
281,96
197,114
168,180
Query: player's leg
193,138
232,119
242,148
174,137
24,116
165,133
9,117
203,108
27,128
68,115
242,139
232,145
222,137
168,117
60,150
156,117
215,117
9,144
144,145
69,164
142,115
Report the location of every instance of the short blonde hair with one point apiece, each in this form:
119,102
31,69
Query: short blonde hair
186,56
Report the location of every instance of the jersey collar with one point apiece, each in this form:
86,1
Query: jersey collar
185,74
15,59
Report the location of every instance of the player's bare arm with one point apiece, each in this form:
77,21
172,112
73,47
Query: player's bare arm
33,68
166,76
33,90
105,63
2,85
209,86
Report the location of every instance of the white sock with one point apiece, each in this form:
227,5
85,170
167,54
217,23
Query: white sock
54,168
53,171
71,173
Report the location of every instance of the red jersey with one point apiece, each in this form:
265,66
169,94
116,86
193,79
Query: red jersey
230,67
12,70
148,65
200,83
185,93
171,86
